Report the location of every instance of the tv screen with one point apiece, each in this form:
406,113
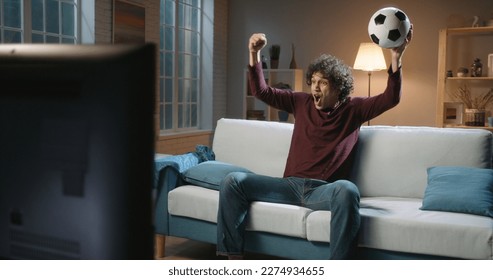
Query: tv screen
76,151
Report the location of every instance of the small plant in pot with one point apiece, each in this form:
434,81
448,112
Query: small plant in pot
462,72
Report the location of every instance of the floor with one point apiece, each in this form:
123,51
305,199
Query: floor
183,249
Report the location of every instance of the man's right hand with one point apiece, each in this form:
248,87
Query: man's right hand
257,42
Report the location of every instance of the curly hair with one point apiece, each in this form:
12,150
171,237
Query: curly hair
336,71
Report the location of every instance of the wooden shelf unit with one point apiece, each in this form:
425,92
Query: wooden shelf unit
444,83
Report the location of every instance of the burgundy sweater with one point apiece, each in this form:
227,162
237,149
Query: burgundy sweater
323,143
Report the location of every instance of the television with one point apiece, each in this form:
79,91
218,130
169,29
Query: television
76,151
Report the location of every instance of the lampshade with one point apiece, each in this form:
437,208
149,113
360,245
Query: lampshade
369,58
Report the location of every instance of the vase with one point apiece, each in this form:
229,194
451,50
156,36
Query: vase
292,64
474,117
274,63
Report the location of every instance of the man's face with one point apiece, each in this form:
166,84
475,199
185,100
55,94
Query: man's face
324,96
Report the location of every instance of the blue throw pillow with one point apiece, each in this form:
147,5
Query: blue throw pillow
209,174
459,189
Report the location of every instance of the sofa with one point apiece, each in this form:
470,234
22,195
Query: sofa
426,193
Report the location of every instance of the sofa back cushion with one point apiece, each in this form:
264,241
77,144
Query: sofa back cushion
393,161
389,161
259,146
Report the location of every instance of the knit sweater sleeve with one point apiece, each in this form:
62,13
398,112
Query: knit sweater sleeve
281,99
378,104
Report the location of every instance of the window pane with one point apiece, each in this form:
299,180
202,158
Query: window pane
169,13
52,40
168,64
194,91
168,116
184,16
12,36
37,15
68,41
68,18
161,117
37,38
169,38
181,92
168,90
195,3
194,114
194,20
188,41
12,13
52,17
180,116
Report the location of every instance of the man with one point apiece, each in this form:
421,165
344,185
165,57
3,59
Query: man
325,133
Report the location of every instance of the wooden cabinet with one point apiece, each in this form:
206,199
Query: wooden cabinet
458,47
255,109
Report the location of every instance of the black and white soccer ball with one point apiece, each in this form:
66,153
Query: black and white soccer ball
388,27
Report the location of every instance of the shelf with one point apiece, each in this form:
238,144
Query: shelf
482,29
455,47
470,127
470,78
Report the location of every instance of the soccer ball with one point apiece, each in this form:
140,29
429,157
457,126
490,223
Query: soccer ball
388,27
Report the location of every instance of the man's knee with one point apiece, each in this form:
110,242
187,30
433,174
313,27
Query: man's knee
347,191
232,182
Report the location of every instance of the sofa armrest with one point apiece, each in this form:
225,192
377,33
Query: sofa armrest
169,178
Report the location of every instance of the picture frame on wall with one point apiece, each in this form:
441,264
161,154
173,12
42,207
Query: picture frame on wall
453,113
128,23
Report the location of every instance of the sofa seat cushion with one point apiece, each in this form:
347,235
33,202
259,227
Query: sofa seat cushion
397,224
202,203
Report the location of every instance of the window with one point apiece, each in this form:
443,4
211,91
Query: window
39,21
54,21
11,21
180,64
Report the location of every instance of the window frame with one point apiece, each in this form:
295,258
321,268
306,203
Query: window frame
185,106
26,23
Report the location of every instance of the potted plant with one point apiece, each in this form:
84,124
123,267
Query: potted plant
475,106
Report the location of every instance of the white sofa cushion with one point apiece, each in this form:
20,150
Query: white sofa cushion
259,146
397,224
202,204
392,161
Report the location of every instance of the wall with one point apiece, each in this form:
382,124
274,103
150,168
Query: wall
338,27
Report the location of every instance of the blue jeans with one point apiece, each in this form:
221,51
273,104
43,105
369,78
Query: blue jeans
239,189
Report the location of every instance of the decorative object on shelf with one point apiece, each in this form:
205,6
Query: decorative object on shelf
369,58
490,65
477,68
450,73
264,62
255,115
275,52
292,64
453,112
475,22
474,117
475,113
462,72
480,101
